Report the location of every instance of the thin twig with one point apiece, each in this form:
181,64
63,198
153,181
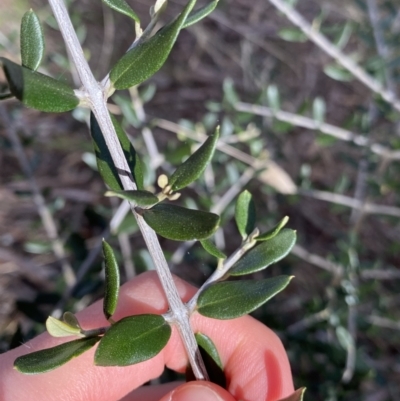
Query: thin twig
381,46
383,322
328,129
329,48
44,212
95,94
365,207
317,260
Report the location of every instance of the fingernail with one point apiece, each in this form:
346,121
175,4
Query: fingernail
195,392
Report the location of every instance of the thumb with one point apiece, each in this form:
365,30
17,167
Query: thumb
198,391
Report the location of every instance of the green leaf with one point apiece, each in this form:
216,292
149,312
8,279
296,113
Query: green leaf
71,320
105,163
273,98
198,15
296,396
112,281
139,197
38,91
292,35
194,166
273,231
206,343
338,73
58,328
319,110
265,254
245,214
132,340
180,224
32,41
209,246
145,59
122,7
211,359
232,299
52,358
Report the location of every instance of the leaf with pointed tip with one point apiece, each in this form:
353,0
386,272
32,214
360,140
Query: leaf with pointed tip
209,246
32,41
139,197
265,254
232,299
145,59
52,358
245,214
38,91
273,231
58,328
179,223
296,396
198,15
71,320
122,7
206,343
211,359
194,166
132,340
105,163
112,281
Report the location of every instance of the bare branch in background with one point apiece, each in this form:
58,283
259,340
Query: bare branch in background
44,212
329,48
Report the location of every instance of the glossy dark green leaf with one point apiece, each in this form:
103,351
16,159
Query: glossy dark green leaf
132,340
194,166
122,7
139,197
245,214
145,59
38,91
296,396
180,224
232,299
198,15
206,343
265,254
210,247
52,358
273,231
104,161
32,41
112,281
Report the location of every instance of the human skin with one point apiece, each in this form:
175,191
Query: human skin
254,360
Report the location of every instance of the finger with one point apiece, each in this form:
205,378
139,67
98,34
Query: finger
198,391
254,359
151,393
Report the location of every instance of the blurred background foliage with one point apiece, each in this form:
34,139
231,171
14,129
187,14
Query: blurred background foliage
321,148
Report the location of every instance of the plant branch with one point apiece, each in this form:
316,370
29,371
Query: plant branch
328,129
329,48
96,98
222,270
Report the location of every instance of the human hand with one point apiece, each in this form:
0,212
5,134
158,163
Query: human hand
255,362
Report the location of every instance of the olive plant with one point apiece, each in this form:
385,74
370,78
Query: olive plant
135,339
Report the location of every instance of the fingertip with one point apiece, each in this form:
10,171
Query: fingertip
198,391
